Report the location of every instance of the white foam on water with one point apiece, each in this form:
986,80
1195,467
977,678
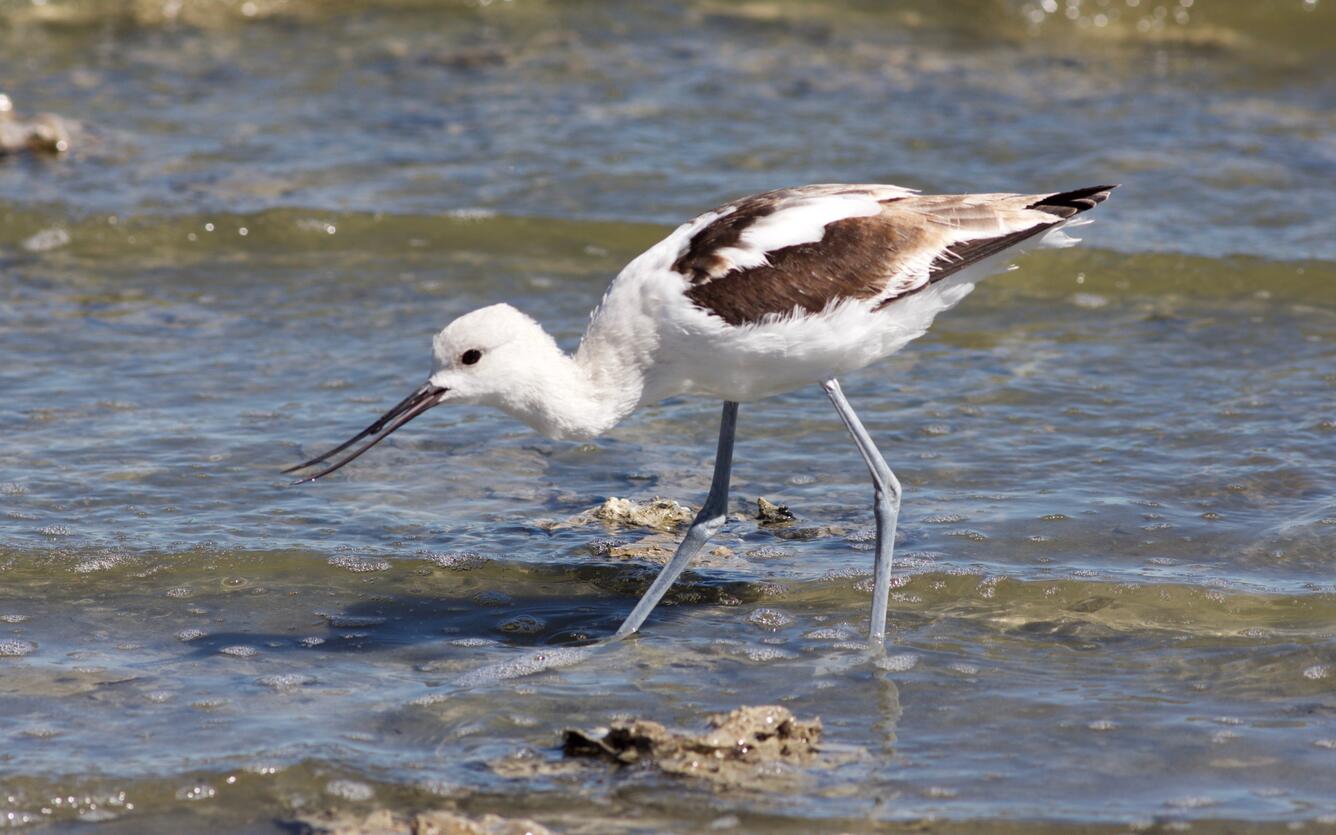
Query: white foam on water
285,682
473,643
350,790
47,240
359,565
459,560
767,618
761,654
830,633
900,663
351,621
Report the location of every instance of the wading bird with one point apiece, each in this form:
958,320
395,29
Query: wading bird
755,298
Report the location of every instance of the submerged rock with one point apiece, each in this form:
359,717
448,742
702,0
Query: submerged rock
385,822
527,763
741,748
805,534
659,547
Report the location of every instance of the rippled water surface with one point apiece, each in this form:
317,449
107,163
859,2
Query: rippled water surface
1115,603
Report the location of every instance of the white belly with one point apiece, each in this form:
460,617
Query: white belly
700,354
752,362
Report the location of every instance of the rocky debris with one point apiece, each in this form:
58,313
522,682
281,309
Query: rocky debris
778,521
769,513
741,748
795,534
45,133
385,822
657,514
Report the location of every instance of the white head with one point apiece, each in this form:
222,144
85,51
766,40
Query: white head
495,356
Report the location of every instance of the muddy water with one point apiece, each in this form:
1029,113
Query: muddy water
1116,606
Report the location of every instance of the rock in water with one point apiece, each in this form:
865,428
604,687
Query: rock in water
770,513
740,748
44,133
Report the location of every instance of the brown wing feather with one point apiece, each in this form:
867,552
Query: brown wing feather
700,261
914,242
848,262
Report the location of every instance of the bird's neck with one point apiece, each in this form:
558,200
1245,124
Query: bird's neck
615,357
574,397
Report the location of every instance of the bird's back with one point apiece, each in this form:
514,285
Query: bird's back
781,289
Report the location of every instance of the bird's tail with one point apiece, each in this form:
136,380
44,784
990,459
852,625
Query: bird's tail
1067,205
1071,203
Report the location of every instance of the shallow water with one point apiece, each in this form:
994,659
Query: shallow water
1116,605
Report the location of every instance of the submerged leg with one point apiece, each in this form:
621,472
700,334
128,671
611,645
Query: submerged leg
887,508
707,524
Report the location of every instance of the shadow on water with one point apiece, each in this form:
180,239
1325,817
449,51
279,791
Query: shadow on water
574,604
409,620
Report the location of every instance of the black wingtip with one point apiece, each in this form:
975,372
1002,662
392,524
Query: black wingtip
1069,203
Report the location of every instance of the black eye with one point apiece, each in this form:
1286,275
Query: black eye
471,356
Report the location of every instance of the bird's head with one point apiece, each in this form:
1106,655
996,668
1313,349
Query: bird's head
496,356
489,355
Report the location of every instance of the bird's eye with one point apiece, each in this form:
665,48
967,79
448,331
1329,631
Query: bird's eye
471,356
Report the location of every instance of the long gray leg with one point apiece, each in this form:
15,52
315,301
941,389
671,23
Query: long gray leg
887,508
707,524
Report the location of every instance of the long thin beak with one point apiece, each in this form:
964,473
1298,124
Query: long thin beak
404,411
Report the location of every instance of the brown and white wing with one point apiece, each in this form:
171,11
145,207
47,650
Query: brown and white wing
801,250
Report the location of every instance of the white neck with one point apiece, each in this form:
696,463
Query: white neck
576,396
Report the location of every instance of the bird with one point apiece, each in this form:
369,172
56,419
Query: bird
760,296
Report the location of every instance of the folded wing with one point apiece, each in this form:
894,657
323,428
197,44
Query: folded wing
801,250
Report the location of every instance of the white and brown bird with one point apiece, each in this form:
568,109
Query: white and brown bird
758,297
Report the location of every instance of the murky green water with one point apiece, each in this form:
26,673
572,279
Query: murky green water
1117,604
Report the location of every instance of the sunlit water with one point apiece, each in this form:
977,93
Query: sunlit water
1115,601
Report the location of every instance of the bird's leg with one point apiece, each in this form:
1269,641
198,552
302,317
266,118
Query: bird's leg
887,488
707,524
